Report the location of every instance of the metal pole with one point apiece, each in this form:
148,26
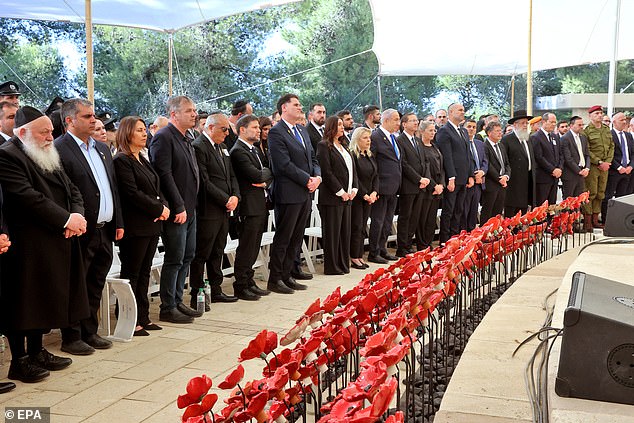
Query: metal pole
512,95
529,74
615,45
90,82
170,43
378,87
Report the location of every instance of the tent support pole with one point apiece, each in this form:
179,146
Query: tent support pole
90,82
612,77
512,95
170,44
529,72
378,87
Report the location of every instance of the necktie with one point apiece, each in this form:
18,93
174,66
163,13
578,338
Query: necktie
553,145
321,131
474,152
528,153
398,155
298,137
219,153
624,158
257,156
582,160
496,148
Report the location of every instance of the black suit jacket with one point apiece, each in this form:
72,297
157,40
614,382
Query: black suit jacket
248,171
173,158
141,199
413,165
315,136
494,170
456,153
79,172
292,164
217,180
517,192
547,156
335,175
618,153
570,152
389,166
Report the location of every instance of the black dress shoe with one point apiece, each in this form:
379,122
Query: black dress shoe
223,298
48,361
98,342
401,253
301,275
388,256
77,348
247,295
259,291
411,250
152,326
279,287
377,259
193,311
366,265
141,332
174,316
24,370
357,266
6,387
334,273
293,284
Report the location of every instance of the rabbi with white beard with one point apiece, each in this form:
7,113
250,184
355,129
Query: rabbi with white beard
42,272
520,192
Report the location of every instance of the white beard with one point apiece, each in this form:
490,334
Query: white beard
46,158
522,135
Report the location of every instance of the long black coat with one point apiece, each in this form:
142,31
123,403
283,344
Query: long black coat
521,187
42,273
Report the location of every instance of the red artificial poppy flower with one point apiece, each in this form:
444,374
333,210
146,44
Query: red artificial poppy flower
256,407
343,409
233,378
271,342
192,412
397,417
277,410
197,388
313,308
295,332
367,303
255,348
332,301
367,383
382,399
277,382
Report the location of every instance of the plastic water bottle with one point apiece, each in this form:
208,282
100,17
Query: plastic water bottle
207,292
200,301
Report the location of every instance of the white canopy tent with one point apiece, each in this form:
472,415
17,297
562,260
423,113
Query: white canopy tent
466,37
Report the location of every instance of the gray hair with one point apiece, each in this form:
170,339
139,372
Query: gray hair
387,113
214,118
424,124
174,104
71,107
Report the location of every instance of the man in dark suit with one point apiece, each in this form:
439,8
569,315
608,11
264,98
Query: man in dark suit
385,149
43,281
574,148
296,176
453,144
498,173
218,197
622,163
316,125
371,116
253,178
174,160
548,160
89,166
239,109
415,178
480,168
520,192
348,124
7,117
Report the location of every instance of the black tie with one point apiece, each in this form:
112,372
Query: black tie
219,152
257,156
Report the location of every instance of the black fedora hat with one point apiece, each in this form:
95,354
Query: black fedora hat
520,114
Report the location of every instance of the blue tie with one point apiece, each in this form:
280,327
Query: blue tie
297,136
393,138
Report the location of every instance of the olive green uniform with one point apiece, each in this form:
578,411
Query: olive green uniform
601,149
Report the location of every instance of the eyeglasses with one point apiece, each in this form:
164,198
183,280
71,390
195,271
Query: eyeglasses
224,129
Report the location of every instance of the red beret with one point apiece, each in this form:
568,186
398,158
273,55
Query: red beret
595,109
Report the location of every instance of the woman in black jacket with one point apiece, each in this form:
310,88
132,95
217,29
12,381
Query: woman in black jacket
143,210
337,191
367,176
433,194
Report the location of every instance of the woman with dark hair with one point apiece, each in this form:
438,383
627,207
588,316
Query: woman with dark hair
336,193
368,181
433,192
263,144
143,209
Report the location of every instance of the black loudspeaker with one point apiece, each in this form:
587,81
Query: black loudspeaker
597,349
620,221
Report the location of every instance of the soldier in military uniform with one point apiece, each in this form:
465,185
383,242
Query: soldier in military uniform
601,149
10,91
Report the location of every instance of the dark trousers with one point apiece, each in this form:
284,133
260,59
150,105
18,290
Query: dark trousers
17,339
427,223
358,226
136,253
510,211
452,209
408,215
573,186
290,222
180,246
335,238
492,202
97,262
250,230
617,186
211,240
546,191
471,203
382,214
